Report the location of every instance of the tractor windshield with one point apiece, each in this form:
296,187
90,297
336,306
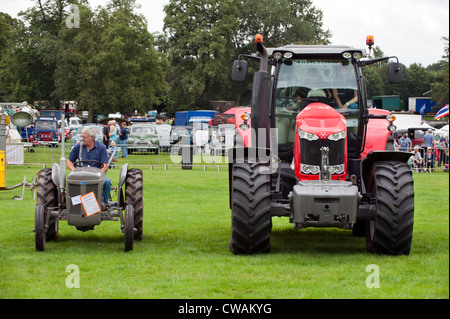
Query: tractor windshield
301,82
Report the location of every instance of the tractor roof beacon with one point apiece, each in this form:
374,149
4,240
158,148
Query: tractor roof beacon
80,201
309,149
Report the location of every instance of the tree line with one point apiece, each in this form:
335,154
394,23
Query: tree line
106,59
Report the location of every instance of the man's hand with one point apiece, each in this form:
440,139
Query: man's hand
70,165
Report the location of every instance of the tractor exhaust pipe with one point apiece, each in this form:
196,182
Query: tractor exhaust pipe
261,97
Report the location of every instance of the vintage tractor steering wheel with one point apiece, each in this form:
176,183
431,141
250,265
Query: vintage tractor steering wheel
92,163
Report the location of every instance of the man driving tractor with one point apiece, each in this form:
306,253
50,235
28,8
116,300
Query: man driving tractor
91,153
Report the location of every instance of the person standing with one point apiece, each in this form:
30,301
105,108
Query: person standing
404,143
428,139
429,160
123,137
113,135
106,135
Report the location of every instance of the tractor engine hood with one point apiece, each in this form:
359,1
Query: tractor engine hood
320,128
321,120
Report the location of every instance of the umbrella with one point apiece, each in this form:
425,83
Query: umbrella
442,112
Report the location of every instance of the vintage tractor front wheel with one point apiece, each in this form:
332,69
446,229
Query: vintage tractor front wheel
39,228
134,196
251,222
392,230
129,227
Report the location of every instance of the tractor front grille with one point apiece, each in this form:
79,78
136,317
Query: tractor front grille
310,153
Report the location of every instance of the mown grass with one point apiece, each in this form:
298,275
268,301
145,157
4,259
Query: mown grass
185,254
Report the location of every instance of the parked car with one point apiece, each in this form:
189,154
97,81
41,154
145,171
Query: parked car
98,133
143,138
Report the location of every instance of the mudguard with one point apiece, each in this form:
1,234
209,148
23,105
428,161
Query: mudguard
376,156
377,133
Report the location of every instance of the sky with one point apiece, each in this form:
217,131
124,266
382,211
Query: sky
412,30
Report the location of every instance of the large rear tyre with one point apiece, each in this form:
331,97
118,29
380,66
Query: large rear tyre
251,222
134,196
392,230
47,196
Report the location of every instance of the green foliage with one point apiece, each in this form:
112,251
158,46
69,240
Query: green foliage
107,64
417,81
440,86
203,37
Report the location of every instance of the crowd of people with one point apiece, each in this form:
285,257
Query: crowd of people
115,134
435,149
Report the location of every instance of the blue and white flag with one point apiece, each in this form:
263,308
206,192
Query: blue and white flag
442,112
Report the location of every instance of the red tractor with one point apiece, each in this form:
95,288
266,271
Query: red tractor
309,149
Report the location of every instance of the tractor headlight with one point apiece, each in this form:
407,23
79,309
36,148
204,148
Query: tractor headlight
336,169
392,128
347,55
244,126
309,169
278,55
307,136
337,136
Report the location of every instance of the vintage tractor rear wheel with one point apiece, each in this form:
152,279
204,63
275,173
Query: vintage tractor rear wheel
47,196
392,230
251,222
129,227
134,197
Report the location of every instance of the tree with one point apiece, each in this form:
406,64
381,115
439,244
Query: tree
440,87
204,37
23,73
107,64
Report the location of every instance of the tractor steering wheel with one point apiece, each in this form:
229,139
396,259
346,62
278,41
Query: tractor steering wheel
90,163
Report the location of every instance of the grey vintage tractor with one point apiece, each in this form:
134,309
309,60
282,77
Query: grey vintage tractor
80,201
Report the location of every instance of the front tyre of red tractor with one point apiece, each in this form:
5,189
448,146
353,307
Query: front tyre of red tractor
392,230
251,222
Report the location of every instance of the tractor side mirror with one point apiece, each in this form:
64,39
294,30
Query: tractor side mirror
395,71
240,69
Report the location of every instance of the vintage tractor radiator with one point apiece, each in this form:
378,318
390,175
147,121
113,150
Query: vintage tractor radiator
80,182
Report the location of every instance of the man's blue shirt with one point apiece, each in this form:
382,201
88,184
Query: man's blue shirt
97,153
124,133
428,139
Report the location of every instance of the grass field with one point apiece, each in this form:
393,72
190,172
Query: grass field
185,254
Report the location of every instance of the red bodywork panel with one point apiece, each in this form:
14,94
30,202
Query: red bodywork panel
377,133
246,135
321,120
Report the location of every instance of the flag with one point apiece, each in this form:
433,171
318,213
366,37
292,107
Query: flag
442,112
